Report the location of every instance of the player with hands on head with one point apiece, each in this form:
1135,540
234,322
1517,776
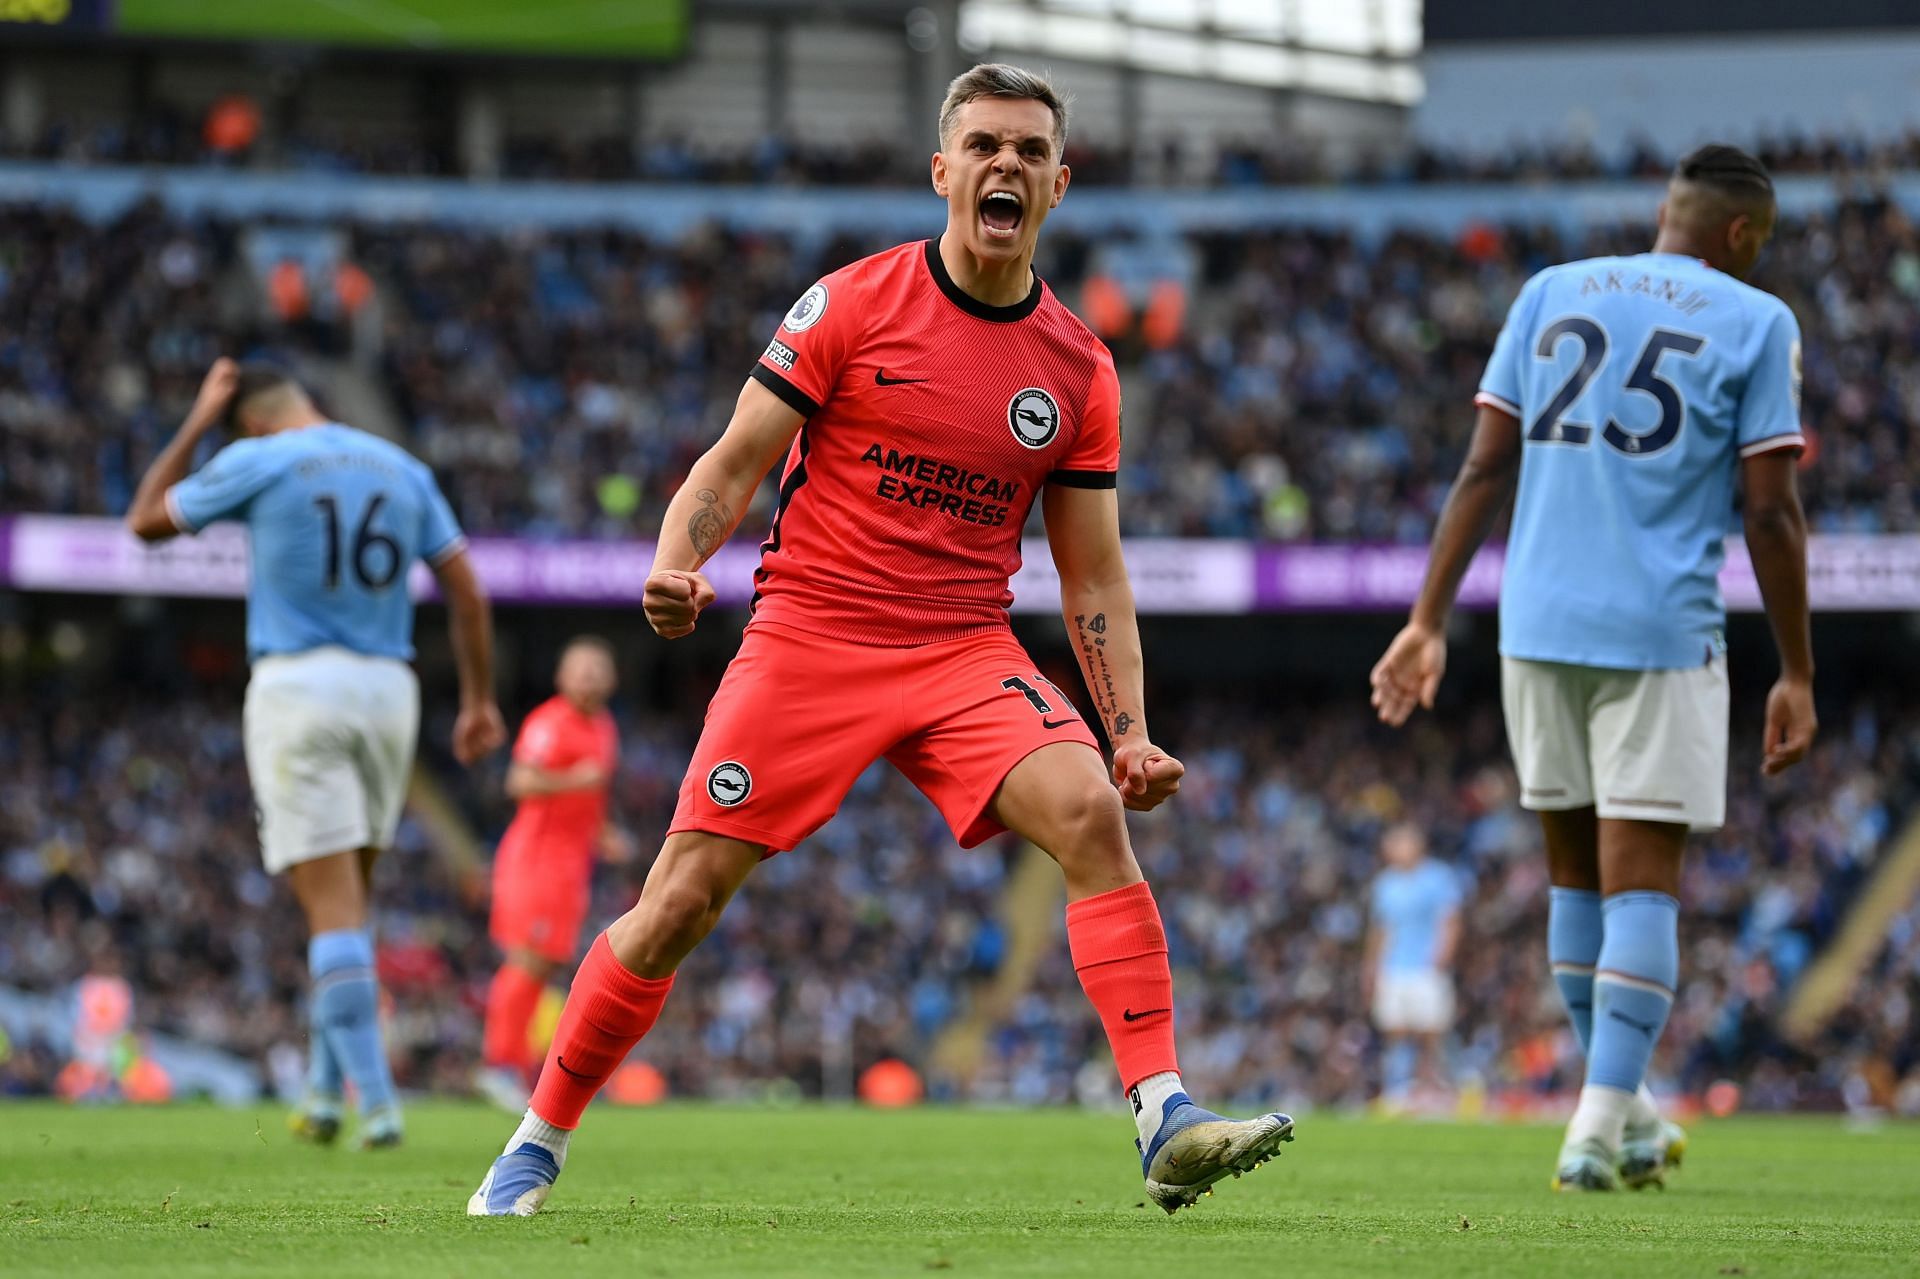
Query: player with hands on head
336,518
924,399
1624,397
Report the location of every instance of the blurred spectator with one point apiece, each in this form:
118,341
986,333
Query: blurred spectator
287,291
232,127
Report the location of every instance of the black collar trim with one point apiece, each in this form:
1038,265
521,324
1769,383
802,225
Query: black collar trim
974,306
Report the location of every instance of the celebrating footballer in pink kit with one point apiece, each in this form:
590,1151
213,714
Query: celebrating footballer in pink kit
925,399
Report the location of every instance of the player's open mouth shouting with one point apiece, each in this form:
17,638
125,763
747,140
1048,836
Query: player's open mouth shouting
1001,213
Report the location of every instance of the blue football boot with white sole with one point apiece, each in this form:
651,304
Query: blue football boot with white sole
517,1184
1195,1148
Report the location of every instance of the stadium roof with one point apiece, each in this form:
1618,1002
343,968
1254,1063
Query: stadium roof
1341,48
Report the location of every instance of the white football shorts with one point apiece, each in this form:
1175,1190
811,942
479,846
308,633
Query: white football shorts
330,737
1416,1001
1648,745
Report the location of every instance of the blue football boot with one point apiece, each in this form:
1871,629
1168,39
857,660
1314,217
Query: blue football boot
1195,1148
517,1184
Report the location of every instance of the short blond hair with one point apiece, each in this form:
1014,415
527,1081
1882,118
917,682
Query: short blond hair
1001,80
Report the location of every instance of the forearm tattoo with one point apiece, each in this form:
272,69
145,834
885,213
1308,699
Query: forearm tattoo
1091,634
710,524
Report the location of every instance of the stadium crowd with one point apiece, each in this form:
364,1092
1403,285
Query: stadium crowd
1310,385
1262,868
127,845
1328,394
234,132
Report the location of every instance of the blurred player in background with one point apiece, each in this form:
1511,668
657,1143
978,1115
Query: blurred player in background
563,764
1413,931
1622,397
925,397
336,518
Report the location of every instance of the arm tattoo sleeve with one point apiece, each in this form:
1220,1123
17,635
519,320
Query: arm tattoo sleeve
710,524
1091,634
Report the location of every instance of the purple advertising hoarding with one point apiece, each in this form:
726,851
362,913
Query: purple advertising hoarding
98,556
1190,576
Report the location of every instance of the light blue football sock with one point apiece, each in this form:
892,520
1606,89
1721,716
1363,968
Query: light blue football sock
346,1001
1573,949
324,1080
1633,986
1397,1069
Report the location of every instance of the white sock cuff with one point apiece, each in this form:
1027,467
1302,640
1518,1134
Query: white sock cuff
1155,1089
1149,1097
548,1137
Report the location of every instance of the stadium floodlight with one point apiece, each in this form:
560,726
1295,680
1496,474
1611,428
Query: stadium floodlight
1341,48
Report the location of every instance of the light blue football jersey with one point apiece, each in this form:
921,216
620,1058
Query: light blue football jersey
1639,383
337,518
1408,907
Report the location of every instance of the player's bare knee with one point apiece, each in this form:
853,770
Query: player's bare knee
1641,856
1088,829
331,892
689,910
669,921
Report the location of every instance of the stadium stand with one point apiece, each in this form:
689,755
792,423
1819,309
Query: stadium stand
542,251
126,840
174,135
1314,385
1300,382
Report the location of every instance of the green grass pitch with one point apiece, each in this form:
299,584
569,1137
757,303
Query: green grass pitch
694,1190
604,28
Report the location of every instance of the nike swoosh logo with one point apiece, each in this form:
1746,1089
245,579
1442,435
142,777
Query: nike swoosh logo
880,378
1058,723
1127,1014
570,1072
1644,1027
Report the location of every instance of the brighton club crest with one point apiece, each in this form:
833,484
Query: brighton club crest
1034,417
729,783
